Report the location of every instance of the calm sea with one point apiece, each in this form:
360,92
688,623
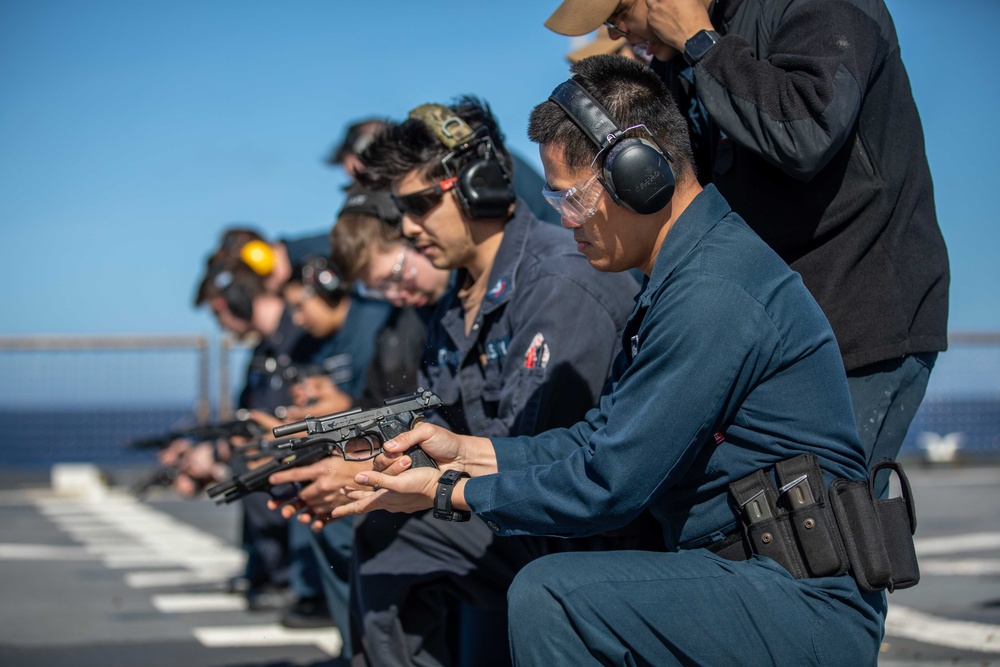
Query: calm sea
39,438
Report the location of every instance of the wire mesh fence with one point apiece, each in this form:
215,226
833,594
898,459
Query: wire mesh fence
84,398
959,419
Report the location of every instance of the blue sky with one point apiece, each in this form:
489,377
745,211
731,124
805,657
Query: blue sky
132,132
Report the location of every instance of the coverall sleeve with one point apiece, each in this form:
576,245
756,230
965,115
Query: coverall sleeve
659,415
796,105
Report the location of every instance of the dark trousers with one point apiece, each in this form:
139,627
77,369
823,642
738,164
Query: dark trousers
886,396
412,574
304,568
332,549
687,608
430,592
265,539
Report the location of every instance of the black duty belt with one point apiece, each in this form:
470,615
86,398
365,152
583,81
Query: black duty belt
812,532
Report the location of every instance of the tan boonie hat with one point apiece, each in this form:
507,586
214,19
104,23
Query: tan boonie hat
578,17
602,44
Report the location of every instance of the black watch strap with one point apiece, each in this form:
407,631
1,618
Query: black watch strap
698,46
442,499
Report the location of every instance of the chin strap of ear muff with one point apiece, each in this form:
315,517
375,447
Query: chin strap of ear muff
635,171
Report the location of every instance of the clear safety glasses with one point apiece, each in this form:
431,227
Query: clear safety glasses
577,204
400,278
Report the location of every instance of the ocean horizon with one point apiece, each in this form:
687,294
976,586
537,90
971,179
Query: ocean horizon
961,428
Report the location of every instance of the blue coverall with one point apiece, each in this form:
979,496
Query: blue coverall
724,339
497,380
331,548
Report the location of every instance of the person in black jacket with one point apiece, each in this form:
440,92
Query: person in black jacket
801,114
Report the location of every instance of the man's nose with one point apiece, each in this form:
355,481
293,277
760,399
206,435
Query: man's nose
409,228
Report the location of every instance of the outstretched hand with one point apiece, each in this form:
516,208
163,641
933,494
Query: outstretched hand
321,489
394,484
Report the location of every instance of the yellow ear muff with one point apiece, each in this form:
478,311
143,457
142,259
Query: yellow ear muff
259,257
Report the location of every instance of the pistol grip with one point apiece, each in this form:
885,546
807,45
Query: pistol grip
420,458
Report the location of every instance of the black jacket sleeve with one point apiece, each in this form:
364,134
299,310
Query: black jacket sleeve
796,101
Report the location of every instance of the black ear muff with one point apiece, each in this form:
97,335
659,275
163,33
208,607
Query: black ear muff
485,187
319,275
239,301
639,175
635,171
238,297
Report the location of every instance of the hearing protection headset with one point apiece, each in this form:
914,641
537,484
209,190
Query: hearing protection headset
259,256
373,203
237,293
320,276
635,172
485,188
255,253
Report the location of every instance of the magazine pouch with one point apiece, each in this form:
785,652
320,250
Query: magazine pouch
765,525
877,534
802,494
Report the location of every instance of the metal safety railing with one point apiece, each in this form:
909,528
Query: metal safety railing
81,398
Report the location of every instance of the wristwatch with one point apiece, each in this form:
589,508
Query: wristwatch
442,499
698,46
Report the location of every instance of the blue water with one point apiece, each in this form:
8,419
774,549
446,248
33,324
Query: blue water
39,438
977,420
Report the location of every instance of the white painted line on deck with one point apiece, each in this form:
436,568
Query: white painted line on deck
965,568
126,534
327,640
939,631
119,548
76,525
156,562
936,546
42,552
213,561
948,478
168,578
190,603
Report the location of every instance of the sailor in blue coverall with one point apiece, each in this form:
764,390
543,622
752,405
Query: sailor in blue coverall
523,341
728,366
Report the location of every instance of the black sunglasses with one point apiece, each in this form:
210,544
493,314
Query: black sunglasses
422,201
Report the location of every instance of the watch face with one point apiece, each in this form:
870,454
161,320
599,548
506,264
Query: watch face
699,45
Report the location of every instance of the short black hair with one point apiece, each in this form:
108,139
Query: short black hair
633,94
399,148
356,139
